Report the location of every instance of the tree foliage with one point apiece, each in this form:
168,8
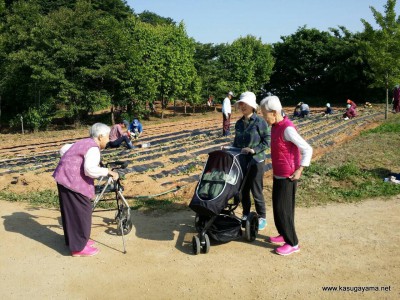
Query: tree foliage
320,66
71,58
247,65
382,47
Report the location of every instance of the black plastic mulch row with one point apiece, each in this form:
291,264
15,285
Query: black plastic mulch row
268,166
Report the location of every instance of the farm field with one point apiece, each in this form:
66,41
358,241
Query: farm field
342,245
175,158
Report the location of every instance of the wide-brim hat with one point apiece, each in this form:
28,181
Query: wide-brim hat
249,98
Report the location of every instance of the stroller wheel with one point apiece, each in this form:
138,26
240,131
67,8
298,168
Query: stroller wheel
196,245
251,228
126,226
206,246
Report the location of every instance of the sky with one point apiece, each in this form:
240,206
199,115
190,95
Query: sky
223,21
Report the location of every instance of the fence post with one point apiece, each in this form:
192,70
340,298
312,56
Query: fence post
22,124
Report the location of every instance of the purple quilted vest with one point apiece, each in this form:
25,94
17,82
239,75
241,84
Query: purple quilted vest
70,172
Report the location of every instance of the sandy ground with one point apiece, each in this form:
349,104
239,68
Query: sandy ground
346,246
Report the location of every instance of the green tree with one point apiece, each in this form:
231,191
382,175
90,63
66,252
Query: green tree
80,57
16,43
302,61
77,58
208,69
382,47
154,19
348,73
165,65
248,64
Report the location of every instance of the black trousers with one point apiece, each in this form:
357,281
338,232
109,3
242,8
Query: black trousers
254,183
76,216
283,203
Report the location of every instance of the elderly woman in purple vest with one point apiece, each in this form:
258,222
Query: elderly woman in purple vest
290,153
75,174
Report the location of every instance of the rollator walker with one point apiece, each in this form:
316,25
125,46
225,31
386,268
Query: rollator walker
107,185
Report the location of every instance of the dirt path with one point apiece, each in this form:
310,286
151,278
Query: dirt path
346,245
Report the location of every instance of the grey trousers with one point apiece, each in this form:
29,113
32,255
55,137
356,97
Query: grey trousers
254,183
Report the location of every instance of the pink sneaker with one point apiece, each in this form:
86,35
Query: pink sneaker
90,243
277,239
87,251
287,249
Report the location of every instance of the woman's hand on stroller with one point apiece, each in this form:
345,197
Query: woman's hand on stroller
247,150
113,174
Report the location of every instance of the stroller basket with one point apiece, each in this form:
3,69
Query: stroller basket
225,228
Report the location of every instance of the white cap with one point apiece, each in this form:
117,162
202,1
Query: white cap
328,105
249,98
271,103
230,93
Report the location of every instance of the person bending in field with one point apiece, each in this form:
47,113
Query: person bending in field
78,166
119,136
350,112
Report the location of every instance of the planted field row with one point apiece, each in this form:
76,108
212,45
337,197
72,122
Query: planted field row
180,152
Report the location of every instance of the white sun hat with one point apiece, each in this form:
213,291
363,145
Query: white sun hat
249,98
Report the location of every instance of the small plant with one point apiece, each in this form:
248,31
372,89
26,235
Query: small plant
46,198
345,171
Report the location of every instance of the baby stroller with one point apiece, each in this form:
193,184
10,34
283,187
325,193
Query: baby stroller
217,195
109,185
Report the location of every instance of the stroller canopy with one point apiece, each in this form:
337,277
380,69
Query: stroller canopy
221,179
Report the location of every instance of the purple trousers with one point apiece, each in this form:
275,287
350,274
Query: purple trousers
226,124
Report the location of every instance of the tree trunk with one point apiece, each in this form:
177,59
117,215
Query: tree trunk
387,103
112,115
387,97
162,107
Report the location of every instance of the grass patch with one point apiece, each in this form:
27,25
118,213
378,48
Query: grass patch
46,198
152,204
392,125
356,170
346,183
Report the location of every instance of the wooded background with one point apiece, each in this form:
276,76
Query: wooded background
67,59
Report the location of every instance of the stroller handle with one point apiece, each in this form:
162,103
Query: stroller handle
230,148
116,166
